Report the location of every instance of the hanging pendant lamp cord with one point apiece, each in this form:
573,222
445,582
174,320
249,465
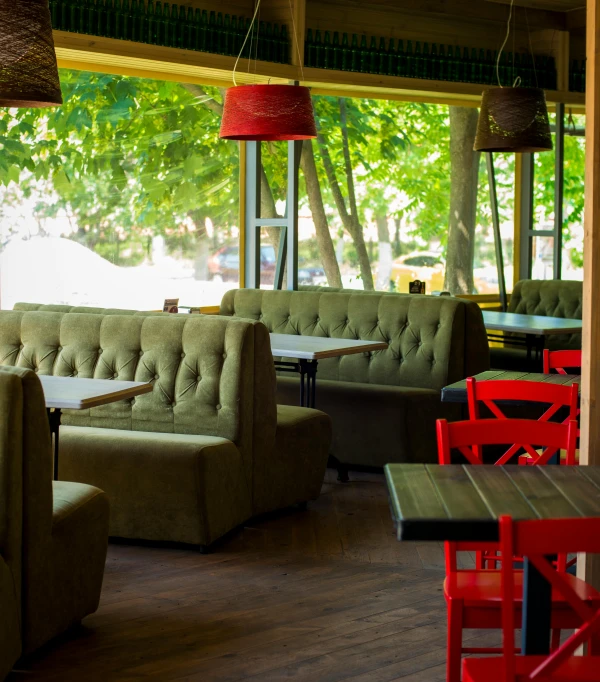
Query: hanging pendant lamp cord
296,40
512,2
248,34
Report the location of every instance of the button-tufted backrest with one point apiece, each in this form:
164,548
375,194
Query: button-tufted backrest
431,343
211,375
551,298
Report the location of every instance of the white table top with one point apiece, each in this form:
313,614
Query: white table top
530,324
80,394
319,347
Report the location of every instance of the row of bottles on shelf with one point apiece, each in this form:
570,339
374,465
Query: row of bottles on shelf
158,23
425,61
577,76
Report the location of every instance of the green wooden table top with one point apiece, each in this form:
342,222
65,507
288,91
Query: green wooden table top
457,392
464,502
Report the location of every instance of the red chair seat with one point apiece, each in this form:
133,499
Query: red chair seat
574,669
483,589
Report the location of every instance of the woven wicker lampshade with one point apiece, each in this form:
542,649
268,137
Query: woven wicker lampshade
513,120
28,69
268,113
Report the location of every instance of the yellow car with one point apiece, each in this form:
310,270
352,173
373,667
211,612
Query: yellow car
425,266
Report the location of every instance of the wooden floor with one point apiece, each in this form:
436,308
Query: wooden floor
322,595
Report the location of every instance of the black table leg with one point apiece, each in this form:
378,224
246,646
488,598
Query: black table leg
537,608
308,373
54,415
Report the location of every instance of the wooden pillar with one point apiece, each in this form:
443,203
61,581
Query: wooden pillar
590,384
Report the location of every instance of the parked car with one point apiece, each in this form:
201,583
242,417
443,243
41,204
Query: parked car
312,275
224,265
426,266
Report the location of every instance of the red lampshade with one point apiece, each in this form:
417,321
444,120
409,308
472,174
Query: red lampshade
268,112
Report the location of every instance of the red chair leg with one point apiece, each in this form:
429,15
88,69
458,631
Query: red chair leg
454,652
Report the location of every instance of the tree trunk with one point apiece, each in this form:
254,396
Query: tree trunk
202,246
384,271
357,233
347,221
464,171
315,202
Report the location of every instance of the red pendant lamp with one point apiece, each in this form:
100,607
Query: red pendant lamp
267,112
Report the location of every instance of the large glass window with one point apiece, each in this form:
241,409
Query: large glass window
542,255
124,196
391,192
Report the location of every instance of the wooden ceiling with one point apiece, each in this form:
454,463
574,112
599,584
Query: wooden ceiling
551,5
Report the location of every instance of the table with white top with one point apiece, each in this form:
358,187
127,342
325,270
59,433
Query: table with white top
533,328
308,350
74,393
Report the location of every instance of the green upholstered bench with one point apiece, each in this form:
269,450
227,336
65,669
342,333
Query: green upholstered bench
550,298
383,404
206,449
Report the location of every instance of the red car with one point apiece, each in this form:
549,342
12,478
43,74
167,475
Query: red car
224,265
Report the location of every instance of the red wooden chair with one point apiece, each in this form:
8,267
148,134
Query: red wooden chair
561,359
536,539
556,395
473,596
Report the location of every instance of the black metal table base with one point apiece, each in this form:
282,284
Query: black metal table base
537,607
532,343
54,415
308,393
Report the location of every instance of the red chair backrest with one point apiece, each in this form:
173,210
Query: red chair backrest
489,392
559,359
469,436
535,540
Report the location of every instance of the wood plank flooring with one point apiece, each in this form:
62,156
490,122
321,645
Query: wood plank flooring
322,595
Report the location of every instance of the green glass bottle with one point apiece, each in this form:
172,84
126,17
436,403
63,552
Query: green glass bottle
73,16
211,35
268,47
202,35
382,58
365,57
125,20
392,59
373,66
309,48
419,68
235,36
465,66
480,71
346,54
426,61
84,6
552,77
327,51
434,61
355,50
475,65
442,64
151,23
219,36
172,25
250,32
336,50
189,30
410,60
111,18
318,50
276,46
54,15
451,65
401,61
64,13
144,37
158,23
135,21
182,37
227,35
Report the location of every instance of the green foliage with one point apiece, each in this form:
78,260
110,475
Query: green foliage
126,159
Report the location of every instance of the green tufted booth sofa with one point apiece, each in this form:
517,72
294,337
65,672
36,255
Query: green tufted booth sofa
383,404
54,534
206,449
551,298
